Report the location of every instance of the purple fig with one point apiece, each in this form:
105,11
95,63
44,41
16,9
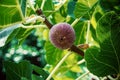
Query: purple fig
62,35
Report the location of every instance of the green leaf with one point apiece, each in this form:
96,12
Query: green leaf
19,34
71,74
80,31
40,71
111,5
18,71
63,11
38,3
5,33
106,59
71,9
53,55
35,77
83,7
96,15
23,78
10,13
12,35
22,34
57,17
43,74
23,4
48,6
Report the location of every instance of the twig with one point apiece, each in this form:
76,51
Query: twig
30,20
111,78
81,61
58,65
34,26
39,12
77,50
75,21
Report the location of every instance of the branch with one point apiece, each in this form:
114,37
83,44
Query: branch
34,26
33,19
40,13
77,50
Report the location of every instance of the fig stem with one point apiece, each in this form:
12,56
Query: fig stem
83,46
58,65
77,50
40,13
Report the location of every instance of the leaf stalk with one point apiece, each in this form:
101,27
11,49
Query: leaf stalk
58,65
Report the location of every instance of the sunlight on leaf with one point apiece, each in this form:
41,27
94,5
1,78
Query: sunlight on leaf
10,13
83,7
4,34
23,4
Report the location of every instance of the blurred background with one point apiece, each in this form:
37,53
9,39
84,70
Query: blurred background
31,49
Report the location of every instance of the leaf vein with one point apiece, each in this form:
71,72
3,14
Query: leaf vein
102,62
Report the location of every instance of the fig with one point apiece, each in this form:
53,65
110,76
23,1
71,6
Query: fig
62,35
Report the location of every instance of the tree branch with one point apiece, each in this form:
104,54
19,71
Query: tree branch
39,12
77,50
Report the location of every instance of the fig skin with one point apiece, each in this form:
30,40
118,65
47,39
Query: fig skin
62,35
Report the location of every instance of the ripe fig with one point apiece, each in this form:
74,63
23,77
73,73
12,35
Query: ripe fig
62,35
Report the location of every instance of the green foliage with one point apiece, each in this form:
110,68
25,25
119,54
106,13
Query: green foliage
4,34
51,53
18,71
71,9
41,72
80,35
114,5
46,9
35,77
102,34
23,4
105,60
11,12
83,7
